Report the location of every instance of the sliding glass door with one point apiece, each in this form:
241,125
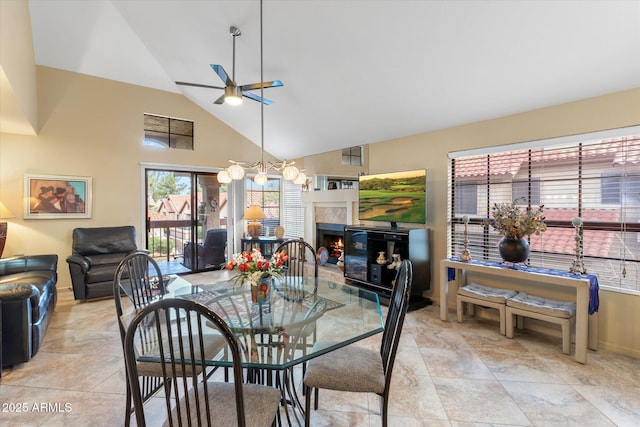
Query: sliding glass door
186,220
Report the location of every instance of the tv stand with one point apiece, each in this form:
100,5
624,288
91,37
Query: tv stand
362,248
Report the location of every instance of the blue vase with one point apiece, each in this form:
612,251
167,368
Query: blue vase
514,250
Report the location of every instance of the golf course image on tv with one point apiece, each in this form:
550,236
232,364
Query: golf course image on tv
393,197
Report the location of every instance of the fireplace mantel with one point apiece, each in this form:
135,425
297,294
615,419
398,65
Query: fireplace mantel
343,203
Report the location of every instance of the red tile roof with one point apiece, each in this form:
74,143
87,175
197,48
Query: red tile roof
596,243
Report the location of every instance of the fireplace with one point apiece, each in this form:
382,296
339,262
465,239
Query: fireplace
331,236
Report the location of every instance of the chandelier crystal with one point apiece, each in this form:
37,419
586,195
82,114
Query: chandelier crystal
237,169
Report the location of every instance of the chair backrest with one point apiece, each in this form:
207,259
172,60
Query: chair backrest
300,253
104,240
216,238
398,304
179,327
138,274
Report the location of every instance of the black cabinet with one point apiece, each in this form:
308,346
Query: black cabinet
363,266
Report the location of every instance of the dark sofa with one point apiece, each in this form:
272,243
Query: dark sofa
28,297
96,253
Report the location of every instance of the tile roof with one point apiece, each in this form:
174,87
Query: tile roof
596,243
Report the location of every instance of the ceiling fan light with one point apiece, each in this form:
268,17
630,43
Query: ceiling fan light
236,172
301,179
232,95
260,179
223,177
290,172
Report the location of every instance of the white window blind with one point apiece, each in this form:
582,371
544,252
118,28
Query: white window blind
595,179
292,210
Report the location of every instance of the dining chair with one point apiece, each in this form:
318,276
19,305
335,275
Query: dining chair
301,257
303,260
139,277
179,326
358,369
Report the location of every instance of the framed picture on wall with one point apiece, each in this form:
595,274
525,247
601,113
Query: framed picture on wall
56,196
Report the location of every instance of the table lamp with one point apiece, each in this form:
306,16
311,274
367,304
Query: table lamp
254,212
4,214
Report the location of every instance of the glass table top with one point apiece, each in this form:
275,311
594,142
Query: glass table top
297,314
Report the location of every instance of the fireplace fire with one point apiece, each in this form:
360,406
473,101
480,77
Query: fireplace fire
331,236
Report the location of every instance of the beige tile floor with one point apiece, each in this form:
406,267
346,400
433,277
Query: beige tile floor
446,374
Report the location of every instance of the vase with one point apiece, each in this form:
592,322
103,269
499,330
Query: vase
514,250
261,290
382,259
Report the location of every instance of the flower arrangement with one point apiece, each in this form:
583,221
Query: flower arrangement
514,223
252,266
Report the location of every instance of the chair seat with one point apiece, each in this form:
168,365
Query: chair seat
260,404
351,368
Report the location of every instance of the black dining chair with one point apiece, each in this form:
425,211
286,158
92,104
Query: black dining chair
357,369
139,277
303,261
190,397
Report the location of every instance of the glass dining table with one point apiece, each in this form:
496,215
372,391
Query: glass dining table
302,318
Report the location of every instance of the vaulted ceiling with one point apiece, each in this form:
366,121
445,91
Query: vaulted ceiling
354,71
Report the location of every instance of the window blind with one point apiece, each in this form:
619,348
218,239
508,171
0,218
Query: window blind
595,179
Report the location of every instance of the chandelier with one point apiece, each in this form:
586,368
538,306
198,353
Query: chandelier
237,169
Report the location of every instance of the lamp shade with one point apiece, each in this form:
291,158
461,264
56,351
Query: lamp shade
254,212
223,177
236,171
5,213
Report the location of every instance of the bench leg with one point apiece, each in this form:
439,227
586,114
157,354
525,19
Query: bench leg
566,337
509,323
502,314
460,310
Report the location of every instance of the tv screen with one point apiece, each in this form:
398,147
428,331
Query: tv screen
394,197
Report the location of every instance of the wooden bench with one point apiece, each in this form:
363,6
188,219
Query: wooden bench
548,310
484,296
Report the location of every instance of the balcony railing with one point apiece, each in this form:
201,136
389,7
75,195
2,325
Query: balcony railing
166,238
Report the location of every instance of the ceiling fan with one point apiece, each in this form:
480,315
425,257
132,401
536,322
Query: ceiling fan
233,93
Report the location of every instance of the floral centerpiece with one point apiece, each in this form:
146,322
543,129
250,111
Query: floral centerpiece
257,270
514,223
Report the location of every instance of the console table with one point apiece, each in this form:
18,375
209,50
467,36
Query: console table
586,325
267,245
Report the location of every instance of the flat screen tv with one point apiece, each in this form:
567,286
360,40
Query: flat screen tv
393,197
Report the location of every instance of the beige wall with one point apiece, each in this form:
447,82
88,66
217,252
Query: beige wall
94,127
619,313
17,69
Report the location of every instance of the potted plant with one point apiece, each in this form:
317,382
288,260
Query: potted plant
258,271
514,223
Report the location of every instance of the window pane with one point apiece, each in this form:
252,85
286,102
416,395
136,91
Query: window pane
167,132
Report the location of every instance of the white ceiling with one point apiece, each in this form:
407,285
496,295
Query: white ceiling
354,71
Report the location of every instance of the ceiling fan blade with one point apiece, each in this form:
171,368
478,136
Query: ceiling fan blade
257,98
199,85
253,86
219,69
220,100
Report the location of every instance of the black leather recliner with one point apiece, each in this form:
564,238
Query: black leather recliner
211,254
28,297
95,256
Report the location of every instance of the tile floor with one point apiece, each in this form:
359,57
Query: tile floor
446,374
